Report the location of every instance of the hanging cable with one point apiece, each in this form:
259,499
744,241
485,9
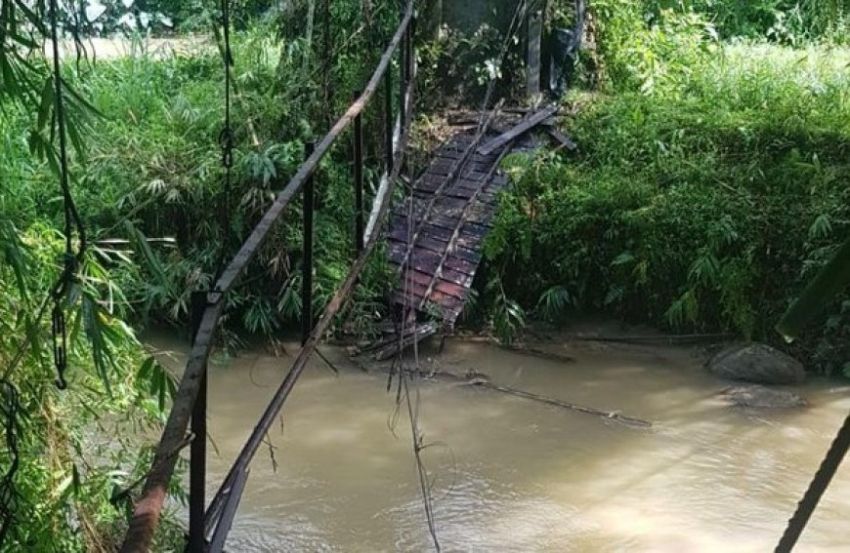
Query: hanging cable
816,489
225,138
10,422
72,217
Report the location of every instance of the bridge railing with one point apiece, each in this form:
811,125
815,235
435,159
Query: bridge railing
190,398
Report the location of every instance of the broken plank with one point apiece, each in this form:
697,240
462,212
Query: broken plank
524,126
561,138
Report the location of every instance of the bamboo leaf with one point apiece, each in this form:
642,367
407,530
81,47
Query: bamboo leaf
831,280
141,244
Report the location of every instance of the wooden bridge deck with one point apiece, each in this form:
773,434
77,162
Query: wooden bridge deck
438,252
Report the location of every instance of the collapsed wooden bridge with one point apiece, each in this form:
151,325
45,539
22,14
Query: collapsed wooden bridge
436,234
435,238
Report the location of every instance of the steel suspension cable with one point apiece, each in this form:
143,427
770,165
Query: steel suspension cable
816,489
225,138
72,218
10,412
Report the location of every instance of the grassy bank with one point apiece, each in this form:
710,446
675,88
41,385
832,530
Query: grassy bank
710,185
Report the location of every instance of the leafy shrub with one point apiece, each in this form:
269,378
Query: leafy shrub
703,202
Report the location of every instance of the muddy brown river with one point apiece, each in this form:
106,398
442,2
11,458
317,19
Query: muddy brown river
513,475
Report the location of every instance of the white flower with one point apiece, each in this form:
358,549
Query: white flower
127,3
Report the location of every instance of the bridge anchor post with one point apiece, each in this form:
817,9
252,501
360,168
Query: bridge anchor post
198,449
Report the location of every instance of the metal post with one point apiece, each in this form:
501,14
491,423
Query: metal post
411,49
198,450
307,263
402,76
358,181
388,94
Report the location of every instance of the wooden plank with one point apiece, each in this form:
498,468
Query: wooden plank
431,244
461,279
474,229
479,177
524,126
416,288
444,203
441,166
416,276
471,255
444,300
437,232
464,193
445,223
449,220
469,241
451,289
564,140
448,213
459,266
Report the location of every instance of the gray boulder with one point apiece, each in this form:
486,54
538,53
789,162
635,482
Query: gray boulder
757,363
753,395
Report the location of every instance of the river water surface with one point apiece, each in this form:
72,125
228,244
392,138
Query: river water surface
513,475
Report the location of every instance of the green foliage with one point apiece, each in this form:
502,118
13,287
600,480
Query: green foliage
828,284
146,164
74,446
456,67
702,202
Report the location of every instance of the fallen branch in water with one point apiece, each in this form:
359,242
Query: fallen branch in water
614,415
482,381
662,338
518,348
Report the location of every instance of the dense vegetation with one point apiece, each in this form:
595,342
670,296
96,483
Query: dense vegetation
709,187
145,164
710,184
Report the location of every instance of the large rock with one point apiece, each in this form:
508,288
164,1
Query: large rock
757,363
753,395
